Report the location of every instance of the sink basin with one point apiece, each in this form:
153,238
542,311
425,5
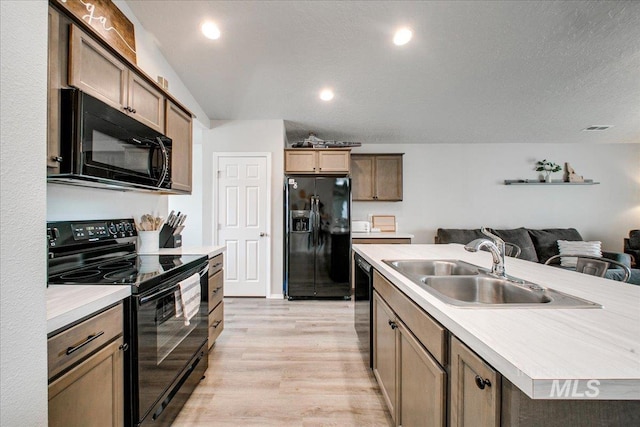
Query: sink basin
486,290
419,267
461,284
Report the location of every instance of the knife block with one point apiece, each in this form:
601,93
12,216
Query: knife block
175,241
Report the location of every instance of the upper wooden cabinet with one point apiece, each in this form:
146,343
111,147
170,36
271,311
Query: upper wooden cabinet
178,128
97,72
376,177
316,161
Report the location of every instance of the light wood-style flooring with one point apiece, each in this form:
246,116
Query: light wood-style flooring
286,363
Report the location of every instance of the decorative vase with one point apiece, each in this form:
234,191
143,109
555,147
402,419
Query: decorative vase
547,177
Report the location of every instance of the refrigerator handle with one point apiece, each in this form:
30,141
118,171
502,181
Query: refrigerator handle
315,219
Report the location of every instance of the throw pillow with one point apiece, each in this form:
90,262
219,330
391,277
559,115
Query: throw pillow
577,248
520,237
458,235
546,241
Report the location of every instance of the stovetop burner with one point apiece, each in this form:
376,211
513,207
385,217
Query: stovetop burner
123,276
80,275
116,265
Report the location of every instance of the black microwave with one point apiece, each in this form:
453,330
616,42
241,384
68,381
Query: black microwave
101,146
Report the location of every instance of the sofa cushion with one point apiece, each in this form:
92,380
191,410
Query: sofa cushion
546,241
634,239
520,237
458,235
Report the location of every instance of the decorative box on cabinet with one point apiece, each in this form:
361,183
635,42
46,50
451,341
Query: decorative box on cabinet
376,177
86,372
316,161
216,295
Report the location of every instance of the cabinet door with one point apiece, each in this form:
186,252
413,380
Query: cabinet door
178,128
146,103
421,384
95,71
53,93
333,161
300,161
384,351
362,178
475,389
91,393
388,178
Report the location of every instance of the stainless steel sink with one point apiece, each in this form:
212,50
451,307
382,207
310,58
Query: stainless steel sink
462,284
445,267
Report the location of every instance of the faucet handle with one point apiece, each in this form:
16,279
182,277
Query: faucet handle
487,233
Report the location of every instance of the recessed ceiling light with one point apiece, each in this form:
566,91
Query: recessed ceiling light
326,94
597,127
402,36
210,30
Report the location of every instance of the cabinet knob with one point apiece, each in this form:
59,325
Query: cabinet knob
56,159
482,383
133,110
393,324
124,347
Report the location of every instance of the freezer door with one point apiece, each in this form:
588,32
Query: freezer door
299,245
333,242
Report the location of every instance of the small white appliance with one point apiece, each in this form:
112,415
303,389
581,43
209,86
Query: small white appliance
360,227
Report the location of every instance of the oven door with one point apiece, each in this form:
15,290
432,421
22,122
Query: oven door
111,145
165,344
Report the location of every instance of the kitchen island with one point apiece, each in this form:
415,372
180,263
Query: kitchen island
548,354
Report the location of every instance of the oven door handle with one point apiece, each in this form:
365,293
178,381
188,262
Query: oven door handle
165,162
160,294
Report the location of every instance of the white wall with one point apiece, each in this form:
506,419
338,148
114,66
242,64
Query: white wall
249,136
23,340
461,186
151,60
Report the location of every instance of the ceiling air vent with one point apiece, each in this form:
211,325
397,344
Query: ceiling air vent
597,127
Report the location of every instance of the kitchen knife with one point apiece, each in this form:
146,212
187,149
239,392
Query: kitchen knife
170,218
174,224
182,220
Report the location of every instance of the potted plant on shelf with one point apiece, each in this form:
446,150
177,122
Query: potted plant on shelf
547,167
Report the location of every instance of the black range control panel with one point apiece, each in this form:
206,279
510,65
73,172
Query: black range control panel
67,233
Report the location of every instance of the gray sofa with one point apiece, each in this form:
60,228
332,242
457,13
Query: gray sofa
537,245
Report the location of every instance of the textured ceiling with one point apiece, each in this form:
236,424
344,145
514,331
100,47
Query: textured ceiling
506,72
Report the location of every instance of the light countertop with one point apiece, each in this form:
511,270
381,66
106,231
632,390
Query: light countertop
210,251
535,347
381,235
69,303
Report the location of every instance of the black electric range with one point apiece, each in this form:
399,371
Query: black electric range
165,355
103,253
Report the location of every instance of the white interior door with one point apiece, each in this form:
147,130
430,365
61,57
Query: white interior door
243,184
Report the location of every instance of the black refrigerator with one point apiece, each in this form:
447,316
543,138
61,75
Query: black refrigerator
318,237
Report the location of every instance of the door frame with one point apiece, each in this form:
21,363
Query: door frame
215,173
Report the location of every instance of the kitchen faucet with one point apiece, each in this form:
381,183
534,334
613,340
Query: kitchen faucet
495,246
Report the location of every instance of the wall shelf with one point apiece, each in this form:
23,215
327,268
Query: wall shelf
553,182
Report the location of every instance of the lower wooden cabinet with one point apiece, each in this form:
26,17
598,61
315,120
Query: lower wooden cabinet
412,383
216,295
422,384
384,351
86,373
475,389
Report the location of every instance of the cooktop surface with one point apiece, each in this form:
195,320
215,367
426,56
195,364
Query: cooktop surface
140,271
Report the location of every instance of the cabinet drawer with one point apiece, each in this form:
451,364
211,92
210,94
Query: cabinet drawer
429,332
215,264
216,289
216,323
73,344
